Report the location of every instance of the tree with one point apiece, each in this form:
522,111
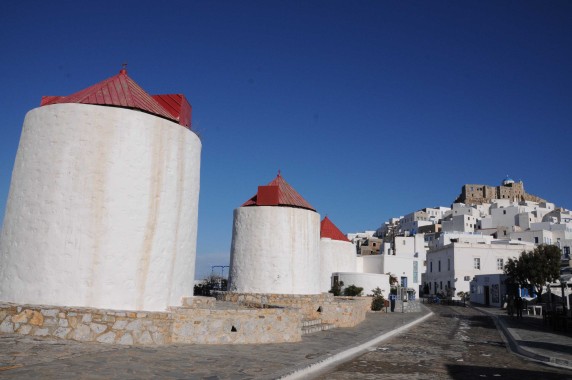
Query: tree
336,289
378,301
534,269
392,279
464,296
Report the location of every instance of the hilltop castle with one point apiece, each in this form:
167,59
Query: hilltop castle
509,189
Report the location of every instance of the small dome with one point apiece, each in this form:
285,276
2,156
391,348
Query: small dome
508,181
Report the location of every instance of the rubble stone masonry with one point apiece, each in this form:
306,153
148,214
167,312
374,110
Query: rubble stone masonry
199,321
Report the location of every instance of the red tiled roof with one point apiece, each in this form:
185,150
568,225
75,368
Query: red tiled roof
122,91
287,196
329,230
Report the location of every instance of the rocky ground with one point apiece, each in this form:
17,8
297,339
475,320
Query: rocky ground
455,343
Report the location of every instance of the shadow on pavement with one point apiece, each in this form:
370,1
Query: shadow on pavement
461,372
565,349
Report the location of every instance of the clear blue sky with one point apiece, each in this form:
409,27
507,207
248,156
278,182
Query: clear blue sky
371,109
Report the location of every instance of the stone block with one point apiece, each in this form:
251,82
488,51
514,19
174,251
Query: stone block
73,321
24,329
50,312
87,318
97,328
36,319
145,338
82,333
50,321
62,332
126,339
120,325
7,327
158,338
42,332
108,337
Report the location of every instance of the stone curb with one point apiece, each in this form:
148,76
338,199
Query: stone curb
303,373
516,349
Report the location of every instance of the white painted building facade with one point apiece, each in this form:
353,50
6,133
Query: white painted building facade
453,266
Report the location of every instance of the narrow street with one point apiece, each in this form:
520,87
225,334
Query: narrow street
455,343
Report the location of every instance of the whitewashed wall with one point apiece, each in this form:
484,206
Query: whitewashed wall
367,281
336,256
370,264
275,250
102,210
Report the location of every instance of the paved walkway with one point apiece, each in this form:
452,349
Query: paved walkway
29,357
531,338
24,357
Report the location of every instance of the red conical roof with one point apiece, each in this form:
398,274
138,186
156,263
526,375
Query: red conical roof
329,230
122,91
286,196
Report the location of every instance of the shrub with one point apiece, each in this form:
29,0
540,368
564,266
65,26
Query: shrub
336,289
378,301
352,291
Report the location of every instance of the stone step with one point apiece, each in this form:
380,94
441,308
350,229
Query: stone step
310,322
317,328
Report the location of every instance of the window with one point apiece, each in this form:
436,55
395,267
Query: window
566,251
441,285
439,265
415,272
431,266
477,263
500,264
535,240
448,264
504,212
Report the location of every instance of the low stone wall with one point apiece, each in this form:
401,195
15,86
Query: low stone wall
346,311
86,324
199,321
236,326
309,305
340,311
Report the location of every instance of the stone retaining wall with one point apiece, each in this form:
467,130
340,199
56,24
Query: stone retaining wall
238,326
340,311
309,305
86,324
199,321
346,312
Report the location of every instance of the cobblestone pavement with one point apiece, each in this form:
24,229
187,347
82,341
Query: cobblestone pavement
25,357
455,343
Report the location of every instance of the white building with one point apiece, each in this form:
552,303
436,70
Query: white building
103,203
337,254
453,266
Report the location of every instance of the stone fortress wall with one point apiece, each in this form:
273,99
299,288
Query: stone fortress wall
479,194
